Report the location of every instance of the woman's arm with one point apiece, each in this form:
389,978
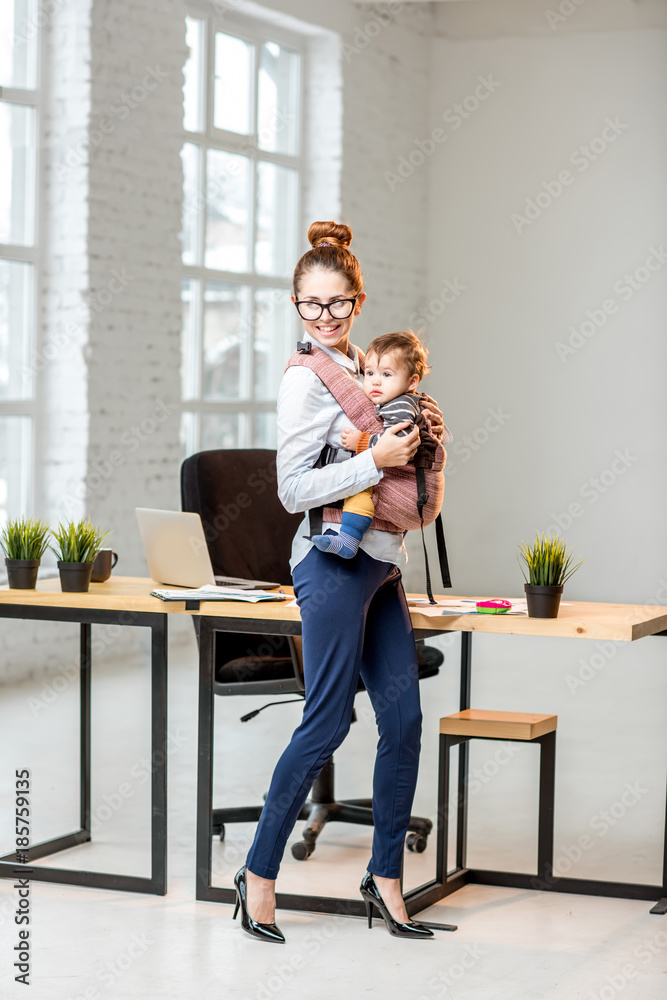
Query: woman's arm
306,410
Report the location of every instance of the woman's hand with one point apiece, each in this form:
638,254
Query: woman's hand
350,438
391,450
434,414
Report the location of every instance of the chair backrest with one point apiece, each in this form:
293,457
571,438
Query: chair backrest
248,531
249,534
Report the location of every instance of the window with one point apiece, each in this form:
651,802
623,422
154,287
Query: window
18,251
242,166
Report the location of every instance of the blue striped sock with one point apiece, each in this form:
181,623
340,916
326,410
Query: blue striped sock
343,545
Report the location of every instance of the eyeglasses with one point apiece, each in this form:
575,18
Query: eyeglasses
338,309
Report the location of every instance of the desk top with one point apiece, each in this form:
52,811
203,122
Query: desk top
580,619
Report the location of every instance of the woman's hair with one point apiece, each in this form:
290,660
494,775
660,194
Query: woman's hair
407,346
333,256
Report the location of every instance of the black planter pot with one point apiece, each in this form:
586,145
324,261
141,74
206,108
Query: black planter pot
75,577
22,573
543,602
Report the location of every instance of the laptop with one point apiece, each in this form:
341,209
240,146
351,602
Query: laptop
177,553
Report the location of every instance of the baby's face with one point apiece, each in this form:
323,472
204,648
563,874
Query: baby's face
386,378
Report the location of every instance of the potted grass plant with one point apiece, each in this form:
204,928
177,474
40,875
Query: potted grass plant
549,568
24,541
76,545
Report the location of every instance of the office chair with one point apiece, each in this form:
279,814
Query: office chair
249,535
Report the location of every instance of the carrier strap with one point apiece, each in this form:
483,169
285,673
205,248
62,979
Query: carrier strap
422,498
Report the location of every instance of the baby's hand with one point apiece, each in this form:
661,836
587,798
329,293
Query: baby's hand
350,438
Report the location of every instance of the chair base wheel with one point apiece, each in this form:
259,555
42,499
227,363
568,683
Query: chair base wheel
219,831
416,843
302,850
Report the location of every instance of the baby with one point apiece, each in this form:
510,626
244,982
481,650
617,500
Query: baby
394,366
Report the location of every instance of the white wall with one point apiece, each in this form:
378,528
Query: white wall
564,418
571,405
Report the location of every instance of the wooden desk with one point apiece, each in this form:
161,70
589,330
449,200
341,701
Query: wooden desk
127,601
578,620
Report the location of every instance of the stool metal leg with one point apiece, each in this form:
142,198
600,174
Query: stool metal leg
545,846
442,834
444,771
545,837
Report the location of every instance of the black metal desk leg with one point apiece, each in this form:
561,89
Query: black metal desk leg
661,906
464,752
159,756
157,883
84,734
205,761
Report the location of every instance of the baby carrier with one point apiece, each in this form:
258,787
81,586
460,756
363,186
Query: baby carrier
407,497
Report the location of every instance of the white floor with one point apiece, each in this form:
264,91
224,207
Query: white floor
511,944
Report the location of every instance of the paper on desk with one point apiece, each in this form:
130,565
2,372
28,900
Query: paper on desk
212,592
439,609
450,606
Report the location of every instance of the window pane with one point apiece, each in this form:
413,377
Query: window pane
225,339
18,43
15,459
219,430
232,102
192,202
193,71
15,329
17,173
190,339
227,185
188,434
276,215
275,339
264,430
278,97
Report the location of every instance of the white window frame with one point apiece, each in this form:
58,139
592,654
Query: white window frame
255,32
28,407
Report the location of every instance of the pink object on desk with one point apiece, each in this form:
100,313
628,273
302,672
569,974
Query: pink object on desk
494,606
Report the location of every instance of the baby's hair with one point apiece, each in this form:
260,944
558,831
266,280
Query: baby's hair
407,345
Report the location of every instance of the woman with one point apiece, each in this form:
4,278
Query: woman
354,613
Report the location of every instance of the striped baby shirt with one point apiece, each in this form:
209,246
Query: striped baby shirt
397,411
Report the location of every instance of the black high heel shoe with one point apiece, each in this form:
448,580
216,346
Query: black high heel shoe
372,898
265,932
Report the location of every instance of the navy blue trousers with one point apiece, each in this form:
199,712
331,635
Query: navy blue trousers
354,619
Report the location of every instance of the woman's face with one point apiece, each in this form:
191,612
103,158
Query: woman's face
324,287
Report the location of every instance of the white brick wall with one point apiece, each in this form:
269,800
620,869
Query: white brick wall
135,217
386,95
108,367
108,439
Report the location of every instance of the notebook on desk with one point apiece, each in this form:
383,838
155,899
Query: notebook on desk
177,553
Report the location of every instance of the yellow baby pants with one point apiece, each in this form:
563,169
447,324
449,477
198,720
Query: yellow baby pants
360,503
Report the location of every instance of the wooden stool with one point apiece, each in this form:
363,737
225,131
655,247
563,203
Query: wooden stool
515,727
